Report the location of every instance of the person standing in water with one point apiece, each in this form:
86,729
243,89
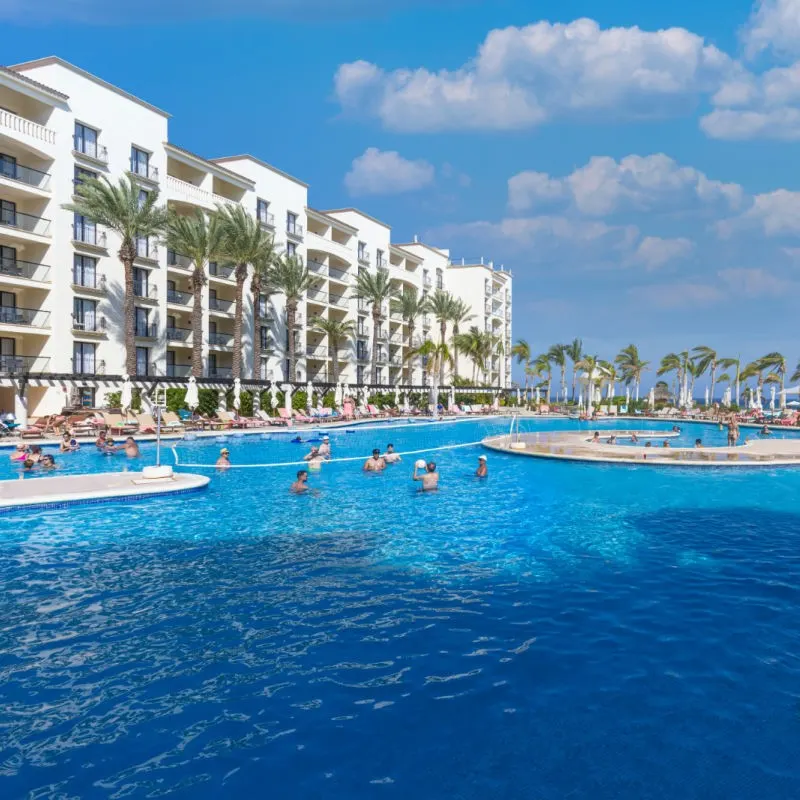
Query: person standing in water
375,463
429,478
301,484
482,471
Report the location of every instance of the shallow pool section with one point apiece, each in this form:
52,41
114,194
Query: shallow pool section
558,630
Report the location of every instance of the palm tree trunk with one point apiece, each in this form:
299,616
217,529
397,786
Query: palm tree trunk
455,355
197,325
443,332
126,255
256,332
574,382
376,321
564,382
334,350
241,275
713,381
291,316
411,341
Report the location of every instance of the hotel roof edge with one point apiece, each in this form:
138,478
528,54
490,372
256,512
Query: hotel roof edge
316,212
41,62
224,170
260,163
35,84
437,250
357,211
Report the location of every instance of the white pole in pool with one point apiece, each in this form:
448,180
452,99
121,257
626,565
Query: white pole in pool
158,434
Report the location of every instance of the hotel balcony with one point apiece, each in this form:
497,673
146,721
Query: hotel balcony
25,320
339,301
363,257
91,326
88,366
146,250
145,292
93,152
427,282
184,192
179,337
146,171
382,335
22,365
15,272
266,218
317,296
298,319
319,352
177,262
88,237
220,341
339,275
219,372
88,283
178,371
364,306
176,298
21,181
146,330
24,227
221,272
363,333
221,307
294,229
317,267
34,136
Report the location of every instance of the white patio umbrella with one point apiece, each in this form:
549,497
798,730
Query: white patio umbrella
126,396
397,396
345,390
537,395
651,398
580,397
288,389
273,394
627,395
758,397
496,402
433,396
772,398
309,395
519,397
451,400
192,395
337,395
237,394
726,397
406,404
708,392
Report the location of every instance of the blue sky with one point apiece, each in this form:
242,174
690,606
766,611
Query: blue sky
634,164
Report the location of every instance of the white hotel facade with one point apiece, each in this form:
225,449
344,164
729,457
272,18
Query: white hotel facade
61,282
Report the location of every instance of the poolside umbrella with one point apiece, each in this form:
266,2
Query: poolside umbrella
309,395
273,394
126,397
758,397
651,398
337,395
406,406
345,390
793,404
496,402
237,392
707,395
451,400
396,396
433,396
580,397
772,399
287,398
537,395
726,397
192,395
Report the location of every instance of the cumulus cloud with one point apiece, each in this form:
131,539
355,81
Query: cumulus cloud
387,172
775,25
756,282
635,183
772,213
679,295
524,76
654,252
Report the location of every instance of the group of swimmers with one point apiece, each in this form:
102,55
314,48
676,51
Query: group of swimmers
106,445
31,457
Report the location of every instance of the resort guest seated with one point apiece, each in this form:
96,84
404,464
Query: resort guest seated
390,457
596,437
68,443
301,484
375,463
429,478
20,454
130,447
698,444
48,462
325,447
224,460
666,443
100,441
482,471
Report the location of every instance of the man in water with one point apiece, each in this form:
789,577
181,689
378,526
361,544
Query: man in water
733,432
666,443
301,484
314,459
765,431
429,478
375,463
482,471
325,448
698,444
68,443
390,457
48,462
224,460
131,448
596,437
100,441
634,439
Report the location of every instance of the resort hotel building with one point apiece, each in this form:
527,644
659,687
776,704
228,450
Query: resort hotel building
62,285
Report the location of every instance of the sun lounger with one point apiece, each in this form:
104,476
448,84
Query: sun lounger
300,417
116,423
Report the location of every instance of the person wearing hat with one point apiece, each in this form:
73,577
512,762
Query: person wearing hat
224,461
325,447
390,457
482,471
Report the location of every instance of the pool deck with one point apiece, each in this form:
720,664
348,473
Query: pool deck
57,491
576,446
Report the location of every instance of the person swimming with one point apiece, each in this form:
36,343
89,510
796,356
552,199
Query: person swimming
20,453
765,431
224,461
68,443
36,453
648,444
596,437
429,478
48,462
130,447
482,471
301,484
375,463
390,457
101,440
666,443
634,438
698,444
325,447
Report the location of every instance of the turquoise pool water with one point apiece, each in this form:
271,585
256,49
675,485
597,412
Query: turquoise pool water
560,630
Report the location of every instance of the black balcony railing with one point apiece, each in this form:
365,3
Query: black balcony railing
179,298
145,331
178,334
18,172
24,222
220,271
215,304
22,365
16,268
220,339
24,316
178,260
91,149
220,372
178,371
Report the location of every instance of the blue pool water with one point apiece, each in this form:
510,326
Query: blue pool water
560,630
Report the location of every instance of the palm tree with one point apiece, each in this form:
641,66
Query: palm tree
440,304
196,236
631,367
591,366
543,367
776,364
244,242
609,377
434,355
289,276
522,352
470,344
376,289
558,356
796,373
707,361
677,363
460,313
133,215
727,363
337,332
260,285
574,352
410,306
755,369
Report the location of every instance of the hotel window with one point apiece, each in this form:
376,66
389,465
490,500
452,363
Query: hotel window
83,358
81,174
8,212
262,305
84,314
8,352
361,350
86,395
262,211
291,222
439,279
8,166
85,140
142,360
171,363
8,259
84,230
212,364
362,251
360,374
379,259
140,162
291,249
264,338
141,322
140,282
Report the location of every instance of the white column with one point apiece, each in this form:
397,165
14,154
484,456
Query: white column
21,405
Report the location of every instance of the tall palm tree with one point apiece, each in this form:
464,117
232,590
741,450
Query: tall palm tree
777,366
631,367
376,288
337,333
609,377
557,355
574,351
196,236
755,369
677,363
544,367
410,306
131,214
460,313
469,344
440,304
522,352
433,354
290,276
707,361
728,363
591,366
244,242
260,285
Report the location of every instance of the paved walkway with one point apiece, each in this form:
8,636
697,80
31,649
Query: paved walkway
577,446
60,490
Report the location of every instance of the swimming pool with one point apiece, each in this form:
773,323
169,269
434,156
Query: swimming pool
558,630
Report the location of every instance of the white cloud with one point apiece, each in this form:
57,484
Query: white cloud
522,77
679,295
756,282
641,183
654,252
775,25
773,214
387,172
